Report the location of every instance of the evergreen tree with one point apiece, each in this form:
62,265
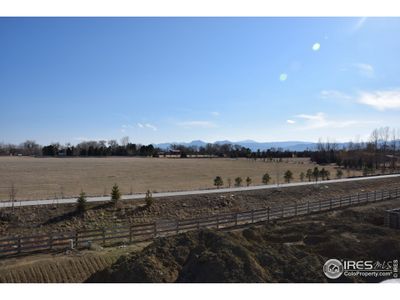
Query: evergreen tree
316,173
81,202
218,182
288,176
339,173
266,178
238,181
115,195
248,181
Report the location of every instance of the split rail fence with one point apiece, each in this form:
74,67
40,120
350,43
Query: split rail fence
134,233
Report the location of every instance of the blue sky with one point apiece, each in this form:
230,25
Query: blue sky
180,79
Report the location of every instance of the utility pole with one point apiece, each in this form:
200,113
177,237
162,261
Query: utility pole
13,193
277,173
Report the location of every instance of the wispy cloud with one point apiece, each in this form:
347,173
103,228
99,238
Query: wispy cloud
365,69
147,125
320,120
125,126
198,124
150,126
290,121
359,24
334,94
215,113
381,100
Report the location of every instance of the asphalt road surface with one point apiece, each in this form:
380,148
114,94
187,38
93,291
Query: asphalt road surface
188,193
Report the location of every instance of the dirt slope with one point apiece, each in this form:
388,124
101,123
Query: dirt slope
290,251
65,267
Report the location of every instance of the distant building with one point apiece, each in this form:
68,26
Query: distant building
171,154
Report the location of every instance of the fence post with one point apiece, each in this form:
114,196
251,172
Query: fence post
330,204
252,216
51,241
295,208
340,201
268,209
76,239
19,245
104,235
358,198
383,194
375,196
320,204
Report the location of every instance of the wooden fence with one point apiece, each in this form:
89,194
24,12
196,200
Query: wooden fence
143,232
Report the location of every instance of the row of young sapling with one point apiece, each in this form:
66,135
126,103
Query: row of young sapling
314,174
114,199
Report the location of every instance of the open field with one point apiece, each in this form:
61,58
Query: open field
40,178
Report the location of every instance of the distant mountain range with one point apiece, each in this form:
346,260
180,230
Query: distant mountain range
253,145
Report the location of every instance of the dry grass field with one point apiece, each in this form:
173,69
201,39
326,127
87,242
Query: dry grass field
39,178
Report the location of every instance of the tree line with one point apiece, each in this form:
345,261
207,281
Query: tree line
380,153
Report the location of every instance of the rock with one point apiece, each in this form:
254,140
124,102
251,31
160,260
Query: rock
95,247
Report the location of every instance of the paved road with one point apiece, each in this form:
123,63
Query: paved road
188,193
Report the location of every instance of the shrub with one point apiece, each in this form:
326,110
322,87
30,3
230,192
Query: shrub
248,181
309,174
266,178
238,181
288,176
81,202
218,182
316,173
149,198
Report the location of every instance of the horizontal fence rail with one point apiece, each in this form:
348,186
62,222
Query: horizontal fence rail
134,233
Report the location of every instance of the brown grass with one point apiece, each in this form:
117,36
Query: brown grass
38,178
